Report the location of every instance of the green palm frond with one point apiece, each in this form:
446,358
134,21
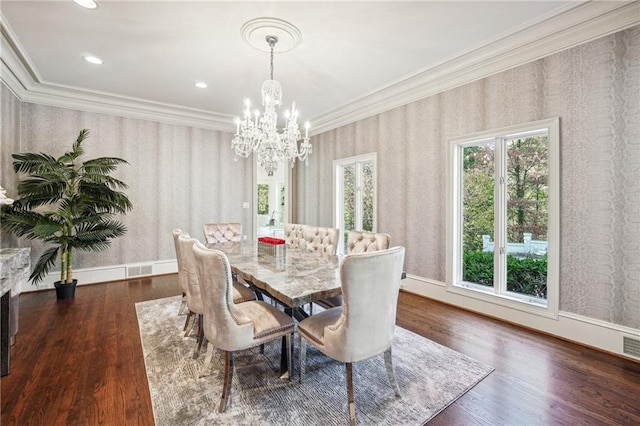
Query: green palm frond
21,222
44,264
45,229
33,163
104,198
37,191
97,236
76,150
103,165
107,180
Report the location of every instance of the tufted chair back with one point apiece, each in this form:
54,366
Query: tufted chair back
234,327
225,326
293,234
188,264
222,232
370,286
362,241
364,325
312,238
317,238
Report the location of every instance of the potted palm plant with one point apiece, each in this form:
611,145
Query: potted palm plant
69,204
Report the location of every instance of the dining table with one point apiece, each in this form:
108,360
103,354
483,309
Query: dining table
294,278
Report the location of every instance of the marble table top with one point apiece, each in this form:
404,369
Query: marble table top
14,264
295,279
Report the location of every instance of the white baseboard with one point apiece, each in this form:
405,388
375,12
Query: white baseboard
108,273
576,328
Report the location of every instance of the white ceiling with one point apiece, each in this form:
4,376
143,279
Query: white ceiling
154,51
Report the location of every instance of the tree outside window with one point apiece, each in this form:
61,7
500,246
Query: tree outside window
263,198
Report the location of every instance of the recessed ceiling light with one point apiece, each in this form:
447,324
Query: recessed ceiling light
200,84
93,60
89,4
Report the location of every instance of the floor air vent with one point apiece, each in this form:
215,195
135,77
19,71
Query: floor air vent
631,346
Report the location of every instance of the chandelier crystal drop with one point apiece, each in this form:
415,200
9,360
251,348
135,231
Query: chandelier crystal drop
259,134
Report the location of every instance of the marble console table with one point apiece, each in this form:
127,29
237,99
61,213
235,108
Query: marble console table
15,266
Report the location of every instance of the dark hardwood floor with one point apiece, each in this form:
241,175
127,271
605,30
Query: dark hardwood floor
79,362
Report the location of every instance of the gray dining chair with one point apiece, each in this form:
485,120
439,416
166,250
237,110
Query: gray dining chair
234,327
358,242
364,326
222,232
194,297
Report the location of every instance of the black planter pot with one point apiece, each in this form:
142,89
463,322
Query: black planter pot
65,291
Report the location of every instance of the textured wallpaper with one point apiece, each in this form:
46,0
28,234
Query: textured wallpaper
178,177
594,89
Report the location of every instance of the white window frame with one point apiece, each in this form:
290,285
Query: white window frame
338,185
497,294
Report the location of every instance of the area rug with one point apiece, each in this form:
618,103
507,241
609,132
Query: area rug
430,377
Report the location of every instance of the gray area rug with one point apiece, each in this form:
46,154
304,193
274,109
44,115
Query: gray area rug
430,377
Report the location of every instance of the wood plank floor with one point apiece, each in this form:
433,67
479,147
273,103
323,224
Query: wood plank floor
79,362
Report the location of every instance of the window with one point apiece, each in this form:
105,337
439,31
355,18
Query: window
355,194
504,216
263,198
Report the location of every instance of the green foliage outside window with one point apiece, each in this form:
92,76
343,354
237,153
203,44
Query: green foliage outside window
263,198
527,199
350,196
524,276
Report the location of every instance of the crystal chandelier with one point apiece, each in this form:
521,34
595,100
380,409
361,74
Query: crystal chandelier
260,134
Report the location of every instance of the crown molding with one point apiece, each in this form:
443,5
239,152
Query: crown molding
573,25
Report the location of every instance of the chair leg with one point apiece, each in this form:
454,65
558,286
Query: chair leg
289,357
302,356
208,361
228,378
183,304
388,363
186,323
200,338
352,403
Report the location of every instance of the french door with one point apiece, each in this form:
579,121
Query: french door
355,194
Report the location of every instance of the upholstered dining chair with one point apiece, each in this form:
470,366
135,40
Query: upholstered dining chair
240,293
363,241
234,327
312,238
182,281
364,326
222,232
358,242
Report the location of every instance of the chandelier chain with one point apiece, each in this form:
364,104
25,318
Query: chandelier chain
271,44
